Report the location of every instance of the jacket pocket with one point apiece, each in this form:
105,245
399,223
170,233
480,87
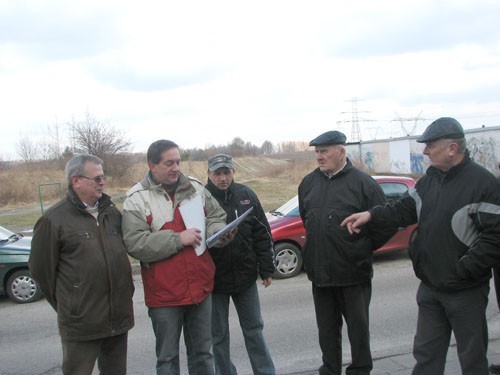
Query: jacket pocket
75,299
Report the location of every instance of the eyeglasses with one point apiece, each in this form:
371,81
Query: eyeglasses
96,179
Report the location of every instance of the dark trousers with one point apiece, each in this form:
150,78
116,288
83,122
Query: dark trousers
79,357
439,313
352,303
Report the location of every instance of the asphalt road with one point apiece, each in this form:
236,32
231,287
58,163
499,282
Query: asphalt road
29,343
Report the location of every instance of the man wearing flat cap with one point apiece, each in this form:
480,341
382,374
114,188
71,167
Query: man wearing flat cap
247,256
338,265
457,207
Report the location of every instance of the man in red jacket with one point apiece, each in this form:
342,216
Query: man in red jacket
178,276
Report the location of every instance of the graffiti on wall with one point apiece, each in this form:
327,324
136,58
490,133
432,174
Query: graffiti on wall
417,163
406,155
483,151
369,160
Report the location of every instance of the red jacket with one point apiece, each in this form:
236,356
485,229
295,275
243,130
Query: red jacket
183,279
173,275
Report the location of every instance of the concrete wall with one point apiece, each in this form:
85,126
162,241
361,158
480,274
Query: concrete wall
404,155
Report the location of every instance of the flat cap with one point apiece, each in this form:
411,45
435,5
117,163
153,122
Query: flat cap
332,137
220,161
442,128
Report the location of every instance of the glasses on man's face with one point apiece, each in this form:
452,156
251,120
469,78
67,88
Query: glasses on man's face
96,179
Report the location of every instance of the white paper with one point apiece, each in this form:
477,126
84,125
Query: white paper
214,238
194,217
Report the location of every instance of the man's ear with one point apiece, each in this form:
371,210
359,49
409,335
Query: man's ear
75,181
454,148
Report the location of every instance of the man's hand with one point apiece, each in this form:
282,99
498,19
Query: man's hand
226,238
355,221
190,237
267,282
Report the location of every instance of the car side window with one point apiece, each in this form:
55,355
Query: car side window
393,190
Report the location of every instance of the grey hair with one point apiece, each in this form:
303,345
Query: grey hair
462,145
76,165
461,142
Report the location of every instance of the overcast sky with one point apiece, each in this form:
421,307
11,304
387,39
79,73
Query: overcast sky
203,72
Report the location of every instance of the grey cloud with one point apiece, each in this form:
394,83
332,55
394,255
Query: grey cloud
438,28
125,77
58,31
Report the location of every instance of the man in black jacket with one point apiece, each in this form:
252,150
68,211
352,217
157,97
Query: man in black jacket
457,207
338,265
237,267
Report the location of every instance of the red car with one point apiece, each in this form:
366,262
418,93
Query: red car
289,233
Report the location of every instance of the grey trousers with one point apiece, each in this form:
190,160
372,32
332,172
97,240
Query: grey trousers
439,313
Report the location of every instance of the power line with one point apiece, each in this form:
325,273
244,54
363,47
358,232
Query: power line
355,130
409,130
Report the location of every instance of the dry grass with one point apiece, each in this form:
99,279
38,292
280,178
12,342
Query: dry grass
274,180
24,186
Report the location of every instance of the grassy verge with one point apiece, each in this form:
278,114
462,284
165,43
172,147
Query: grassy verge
273,180
18,221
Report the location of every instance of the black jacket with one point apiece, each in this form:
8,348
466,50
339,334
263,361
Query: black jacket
332,257
83,269
251,251
458,214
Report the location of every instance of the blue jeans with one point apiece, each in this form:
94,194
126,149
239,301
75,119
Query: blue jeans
167,325
247,306
440,313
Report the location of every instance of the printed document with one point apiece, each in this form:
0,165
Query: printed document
193,215
233,224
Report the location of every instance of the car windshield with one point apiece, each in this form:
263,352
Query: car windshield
393,190
289,209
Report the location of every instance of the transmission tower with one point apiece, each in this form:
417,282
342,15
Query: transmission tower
409,130
355,130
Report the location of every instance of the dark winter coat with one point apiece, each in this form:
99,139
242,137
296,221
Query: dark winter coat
251,251
458,214
83,269
333,257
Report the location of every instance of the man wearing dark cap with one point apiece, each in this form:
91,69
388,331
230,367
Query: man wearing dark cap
238,265
338,265
457,207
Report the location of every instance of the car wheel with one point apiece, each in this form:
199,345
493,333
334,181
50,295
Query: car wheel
21,287
288,260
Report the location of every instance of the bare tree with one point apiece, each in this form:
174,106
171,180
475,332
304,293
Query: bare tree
237,147
103,140
27,149
267,148
288,146
97,138
54,142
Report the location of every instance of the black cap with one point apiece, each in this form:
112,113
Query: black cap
220,161
333,137
442,128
